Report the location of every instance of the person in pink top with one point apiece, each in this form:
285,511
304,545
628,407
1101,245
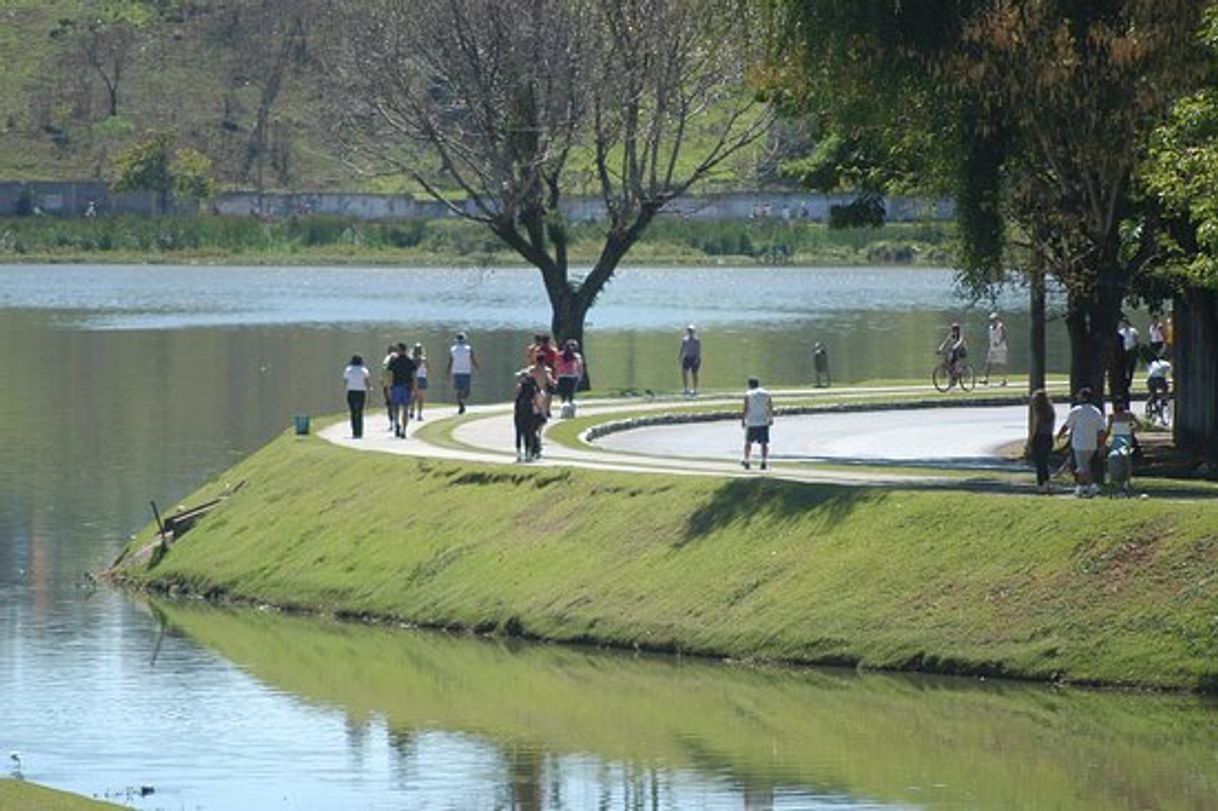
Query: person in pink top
569,368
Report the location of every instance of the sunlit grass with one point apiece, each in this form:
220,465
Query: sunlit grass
1110,591
18,795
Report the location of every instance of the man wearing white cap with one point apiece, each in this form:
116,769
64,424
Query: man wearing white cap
996,360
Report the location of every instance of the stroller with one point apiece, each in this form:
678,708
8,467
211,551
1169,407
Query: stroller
1120,464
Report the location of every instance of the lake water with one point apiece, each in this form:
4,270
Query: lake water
122,385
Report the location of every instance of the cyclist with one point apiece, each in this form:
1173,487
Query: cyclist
954,349
1158,382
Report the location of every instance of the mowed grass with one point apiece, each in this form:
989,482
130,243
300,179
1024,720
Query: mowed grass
18,795
1102,591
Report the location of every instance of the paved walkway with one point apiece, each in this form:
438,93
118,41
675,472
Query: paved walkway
821,447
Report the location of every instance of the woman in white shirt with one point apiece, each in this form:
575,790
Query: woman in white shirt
357,380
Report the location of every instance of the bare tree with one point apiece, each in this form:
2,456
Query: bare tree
103,37
267,43
521,102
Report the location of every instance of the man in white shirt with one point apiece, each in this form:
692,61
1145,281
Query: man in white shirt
757,416
1129,346
461,365
1086,425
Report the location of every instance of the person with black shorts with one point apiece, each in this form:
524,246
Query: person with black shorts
757,416
402,369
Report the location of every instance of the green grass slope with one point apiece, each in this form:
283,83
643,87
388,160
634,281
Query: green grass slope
1113,592
18,795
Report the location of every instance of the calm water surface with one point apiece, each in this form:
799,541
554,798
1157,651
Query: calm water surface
122,385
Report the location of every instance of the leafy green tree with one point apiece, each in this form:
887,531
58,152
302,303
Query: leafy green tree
1040,111
1181,172
193,176
152,164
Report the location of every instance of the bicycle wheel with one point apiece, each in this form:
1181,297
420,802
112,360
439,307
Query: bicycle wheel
967,378
1167,410
940,377
1153,410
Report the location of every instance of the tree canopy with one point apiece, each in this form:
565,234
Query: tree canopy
1040,111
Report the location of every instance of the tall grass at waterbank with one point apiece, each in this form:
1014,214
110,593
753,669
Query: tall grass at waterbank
316,238
1106,592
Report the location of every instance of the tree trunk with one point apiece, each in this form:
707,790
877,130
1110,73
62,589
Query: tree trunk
567,323
1195,368
1092,326
1036,306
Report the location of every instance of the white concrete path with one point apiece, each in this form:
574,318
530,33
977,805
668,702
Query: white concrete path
948,438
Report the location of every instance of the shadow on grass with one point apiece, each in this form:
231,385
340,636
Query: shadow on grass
742,500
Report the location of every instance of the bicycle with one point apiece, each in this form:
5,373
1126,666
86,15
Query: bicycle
1160,407
943,379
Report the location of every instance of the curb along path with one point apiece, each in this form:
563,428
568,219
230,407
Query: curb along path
485,434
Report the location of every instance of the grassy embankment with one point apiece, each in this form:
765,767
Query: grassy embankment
1112,592
18,795
336,240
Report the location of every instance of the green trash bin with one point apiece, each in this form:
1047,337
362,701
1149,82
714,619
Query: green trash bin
302,424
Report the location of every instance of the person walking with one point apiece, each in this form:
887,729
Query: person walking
386,382
357,381
690,356
1085,424
820,362
1122,446
462,363
542,345
1129,347
756,417
527,413
1044,418
569,366
541,373
1156,336
996,358
419,355
401,389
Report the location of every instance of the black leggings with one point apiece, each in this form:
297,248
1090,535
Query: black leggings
355,403
528,436
1042,444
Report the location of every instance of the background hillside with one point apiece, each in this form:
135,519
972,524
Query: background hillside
234,80
237,80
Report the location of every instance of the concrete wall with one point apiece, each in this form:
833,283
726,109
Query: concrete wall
72,199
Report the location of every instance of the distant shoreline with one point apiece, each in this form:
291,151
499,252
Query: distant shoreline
318,240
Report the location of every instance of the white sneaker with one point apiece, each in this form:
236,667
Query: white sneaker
519,456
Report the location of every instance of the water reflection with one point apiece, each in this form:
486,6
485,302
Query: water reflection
139,383
551,727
